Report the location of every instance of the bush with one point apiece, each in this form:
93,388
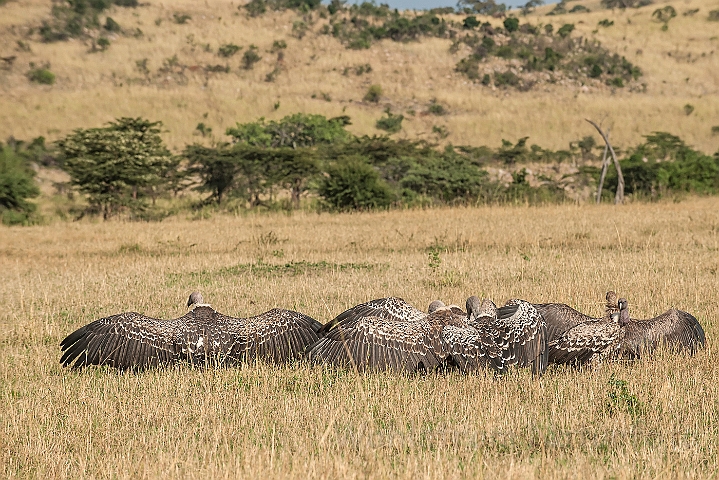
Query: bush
17,185
470,22
111,25
606,23
579,9
565,30
506,79
103,43
181,18
374,94
41,75
511,24
352,184
688,109
250,57
227,50
391,123
713,16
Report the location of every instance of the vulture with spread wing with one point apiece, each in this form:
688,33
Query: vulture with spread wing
679,331
390,334
203,336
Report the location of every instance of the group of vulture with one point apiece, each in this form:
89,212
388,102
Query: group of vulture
387,334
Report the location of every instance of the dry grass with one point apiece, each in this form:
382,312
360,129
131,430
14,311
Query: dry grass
300,421
93,88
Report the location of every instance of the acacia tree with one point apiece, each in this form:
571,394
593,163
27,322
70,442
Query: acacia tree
16,186
116,166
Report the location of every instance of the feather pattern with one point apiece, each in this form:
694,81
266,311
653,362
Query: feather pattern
677,330
405,339
203,336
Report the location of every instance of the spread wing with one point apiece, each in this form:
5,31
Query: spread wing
680,331
582,343
560,318
201,337
124,341
375,343
277,336
525,340
390,308
516,337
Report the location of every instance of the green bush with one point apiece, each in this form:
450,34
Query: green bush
250,57
103,43
579,9
374,94
713,16
17,185
181,18
606,23
565,30
391,123
111,25
227,50
506,79
511,24
41,75
470,22
352,184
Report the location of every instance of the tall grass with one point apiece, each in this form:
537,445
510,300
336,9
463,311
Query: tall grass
261,421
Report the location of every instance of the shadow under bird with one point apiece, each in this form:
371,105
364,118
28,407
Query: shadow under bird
202,336
390,334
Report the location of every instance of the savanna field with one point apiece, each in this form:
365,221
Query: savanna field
298,421
653,418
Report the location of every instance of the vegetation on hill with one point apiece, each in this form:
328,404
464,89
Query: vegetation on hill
274,164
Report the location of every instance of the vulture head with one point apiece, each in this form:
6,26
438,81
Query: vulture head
477,309
623,311
195,299
434,306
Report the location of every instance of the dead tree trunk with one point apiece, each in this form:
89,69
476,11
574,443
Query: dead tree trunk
619,197
605,166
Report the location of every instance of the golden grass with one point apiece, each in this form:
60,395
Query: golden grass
266,422
94,88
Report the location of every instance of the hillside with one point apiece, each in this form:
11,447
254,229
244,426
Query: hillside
317,74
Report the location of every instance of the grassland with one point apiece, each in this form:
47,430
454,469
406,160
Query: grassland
680,67
300,421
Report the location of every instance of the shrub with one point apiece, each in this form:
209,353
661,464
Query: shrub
250,57
616,82
391,123
278,45
688,109
469,66
41,75
374,94
227,50
470,22
565,30
181,18
506,79
715,130
664,14
17,185
111,25
579,9
713,16
606,23
511,24
352,184
297,131
436,108
103,43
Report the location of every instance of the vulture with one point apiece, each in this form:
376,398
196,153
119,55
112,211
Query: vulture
679,331
561,317
390,334
202,337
